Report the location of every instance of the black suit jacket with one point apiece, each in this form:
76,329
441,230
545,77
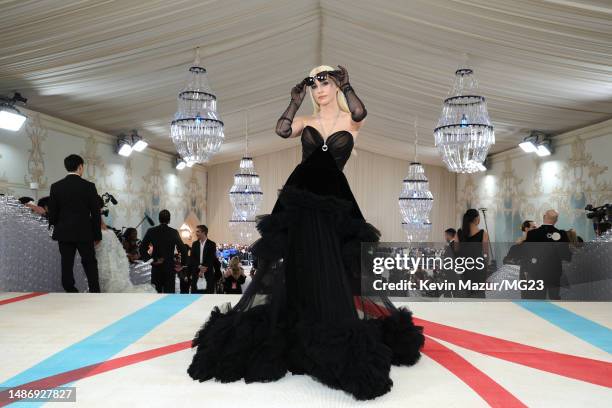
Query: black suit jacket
542,253
209,259
74,211
165,240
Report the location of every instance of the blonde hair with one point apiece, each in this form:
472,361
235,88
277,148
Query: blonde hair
235,267
339,95
342,104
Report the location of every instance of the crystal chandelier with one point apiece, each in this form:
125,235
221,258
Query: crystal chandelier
243,229
464,132
417,231
416,200
246,195
197,130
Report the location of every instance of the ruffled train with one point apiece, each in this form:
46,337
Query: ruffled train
304,312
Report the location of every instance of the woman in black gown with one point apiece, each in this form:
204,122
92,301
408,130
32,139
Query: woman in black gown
473,243
304,311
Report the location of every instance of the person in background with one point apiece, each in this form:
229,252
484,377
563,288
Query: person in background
543,257
165,240
130,244
44,204
601,228
234,277
26,200
473,242
514,253
203,261
41,208
450,235
74,213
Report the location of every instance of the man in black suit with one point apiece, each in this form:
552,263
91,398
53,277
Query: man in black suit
165,240
203,263
74,213
546,247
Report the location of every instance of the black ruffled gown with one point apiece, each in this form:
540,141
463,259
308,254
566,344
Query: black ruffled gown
303,311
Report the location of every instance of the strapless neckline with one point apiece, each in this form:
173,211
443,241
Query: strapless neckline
330,136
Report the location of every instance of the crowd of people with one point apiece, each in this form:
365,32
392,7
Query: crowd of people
74,211
540,253
204,267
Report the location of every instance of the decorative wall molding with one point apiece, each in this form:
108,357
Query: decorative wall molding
594,131
521,186
147,181
36,162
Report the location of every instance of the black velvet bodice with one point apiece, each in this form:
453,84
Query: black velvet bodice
339,144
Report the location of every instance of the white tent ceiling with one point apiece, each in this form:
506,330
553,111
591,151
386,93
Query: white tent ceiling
118,65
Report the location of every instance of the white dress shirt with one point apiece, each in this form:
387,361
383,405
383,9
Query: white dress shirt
202,250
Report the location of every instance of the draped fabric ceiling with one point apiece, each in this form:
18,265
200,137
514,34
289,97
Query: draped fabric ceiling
118,65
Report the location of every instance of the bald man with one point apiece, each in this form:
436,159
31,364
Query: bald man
543,261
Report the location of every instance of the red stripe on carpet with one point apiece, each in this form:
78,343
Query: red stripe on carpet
580,368
494,394
567,365
22,297
593,371
94,369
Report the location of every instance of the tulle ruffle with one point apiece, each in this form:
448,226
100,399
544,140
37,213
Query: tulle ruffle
353,355
263,337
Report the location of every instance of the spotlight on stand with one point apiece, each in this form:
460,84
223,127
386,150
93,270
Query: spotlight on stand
124,147
146,218
180,163
138,143
10,117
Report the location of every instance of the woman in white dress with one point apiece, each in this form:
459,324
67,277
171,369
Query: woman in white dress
114,267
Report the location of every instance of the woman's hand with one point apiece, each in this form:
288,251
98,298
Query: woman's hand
284,125
340,76
298,92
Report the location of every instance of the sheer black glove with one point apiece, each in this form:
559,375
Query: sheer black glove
357,108
283,126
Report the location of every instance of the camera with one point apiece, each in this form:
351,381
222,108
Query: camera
109,198
599,214
106,198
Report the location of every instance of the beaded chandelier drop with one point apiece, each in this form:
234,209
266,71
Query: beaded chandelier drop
243,229
197,130
464,132
417,231
416,200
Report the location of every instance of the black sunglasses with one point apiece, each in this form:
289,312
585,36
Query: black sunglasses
321,76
